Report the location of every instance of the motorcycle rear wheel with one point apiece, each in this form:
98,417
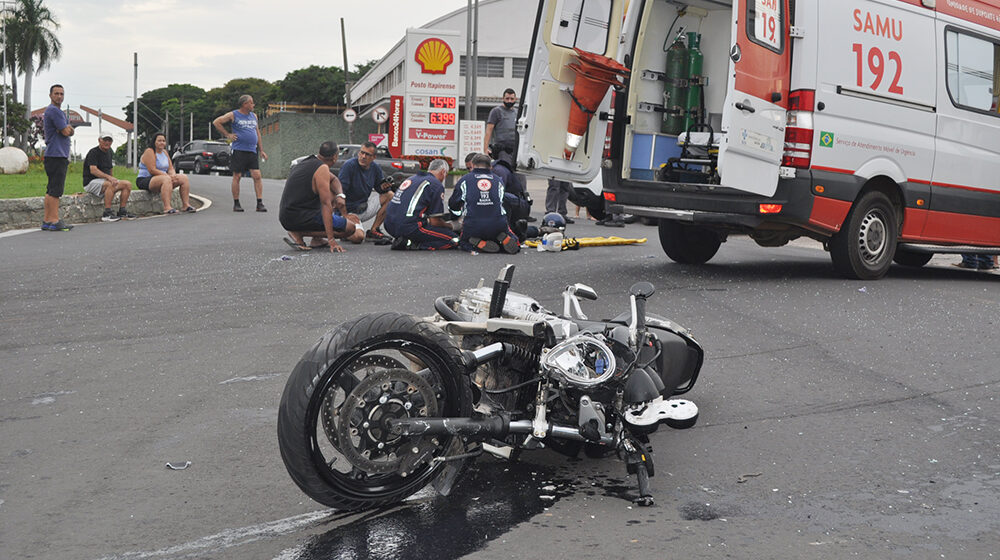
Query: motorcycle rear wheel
332,429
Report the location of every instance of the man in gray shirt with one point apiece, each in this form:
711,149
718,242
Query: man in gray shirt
500,125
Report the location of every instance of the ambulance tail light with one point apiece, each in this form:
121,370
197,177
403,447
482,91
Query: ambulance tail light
799,129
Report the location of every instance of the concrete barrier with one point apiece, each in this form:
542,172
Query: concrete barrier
21,213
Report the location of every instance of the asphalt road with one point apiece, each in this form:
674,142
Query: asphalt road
866,412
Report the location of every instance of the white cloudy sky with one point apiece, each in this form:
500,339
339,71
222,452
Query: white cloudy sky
209,42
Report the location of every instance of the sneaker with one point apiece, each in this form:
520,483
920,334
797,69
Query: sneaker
508,243
109,216
379,237
237,207
400,244
126,215
57,226
260,207
569,220
46,226
484,245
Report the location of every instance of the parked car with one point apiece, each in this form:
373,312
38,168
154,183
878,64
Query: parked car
390,165
203,156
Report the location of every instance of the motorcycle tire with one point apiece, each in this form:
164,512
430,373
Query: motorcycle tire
332,430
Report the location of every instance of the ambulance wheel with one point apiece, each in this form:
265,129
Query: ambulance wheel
688,244
864,247
910,258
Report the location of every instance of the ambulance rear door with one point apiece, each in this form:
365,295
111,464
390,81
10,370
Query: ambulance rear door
757,97
562,25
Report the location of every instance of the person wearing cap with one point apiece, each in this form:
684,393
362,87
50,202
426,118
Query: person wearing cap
98,181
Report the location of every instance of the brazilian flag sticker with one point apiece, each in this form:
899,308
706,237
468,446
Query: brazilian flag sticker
826,139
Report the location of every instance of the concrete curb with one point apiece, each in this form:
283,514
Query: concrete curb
81,208
199,202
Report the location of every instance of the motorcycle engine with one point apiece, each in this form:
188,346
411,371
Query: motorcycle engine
474,306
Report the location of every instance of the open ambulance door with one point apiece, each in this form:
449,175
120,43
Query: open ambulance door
593,26
757,99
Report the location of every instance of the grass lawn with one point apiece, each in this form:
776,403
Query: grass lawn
33,182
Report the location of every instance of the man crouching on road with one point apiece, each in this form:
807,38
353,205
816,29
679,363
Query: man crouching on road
98,181
312,204
414,213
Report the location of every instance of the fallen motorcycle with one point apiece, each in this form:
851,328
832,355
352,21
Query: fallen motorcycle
388,403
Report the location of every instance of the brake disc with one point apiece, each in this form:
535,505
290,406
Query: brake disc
363,366
362,422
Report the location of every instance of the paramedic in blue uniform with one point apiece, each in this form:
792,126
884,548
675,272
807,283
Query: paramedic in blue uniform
413,215
516,203
482,194
246,144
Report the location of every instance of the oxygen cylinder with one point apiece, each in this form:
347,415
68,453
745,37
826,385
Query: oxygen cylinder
675,94
696,62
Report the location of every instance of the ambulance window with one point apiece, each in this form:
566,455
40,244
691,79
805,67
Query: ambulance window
766,23
583,24
972,65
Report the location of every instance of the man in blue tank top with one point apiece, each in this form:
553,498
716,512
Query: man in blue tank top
245,139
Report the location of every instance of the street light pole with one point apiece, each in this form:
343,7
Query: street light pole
3,69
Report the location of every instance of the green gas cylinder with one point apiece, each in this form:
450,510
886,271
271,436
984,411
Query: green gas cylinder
696,63
675,95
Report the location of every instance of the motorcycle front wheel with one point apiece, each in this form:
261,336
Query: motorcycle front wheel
333,429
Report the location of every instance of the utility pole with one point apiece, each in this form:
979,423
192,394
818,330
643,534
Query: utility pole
166,127
468,62
347,82
475,60
191,128
135,110
181,119
3,69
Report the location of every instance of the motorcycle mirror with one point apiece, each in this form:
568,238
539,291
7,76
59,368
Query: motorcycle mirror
642,290
584,291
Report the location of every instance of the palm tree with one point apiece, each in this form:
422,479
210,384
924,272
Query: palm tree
36,40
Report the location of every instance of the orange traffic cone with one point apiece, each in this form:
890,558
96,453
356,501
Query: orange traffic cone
594,73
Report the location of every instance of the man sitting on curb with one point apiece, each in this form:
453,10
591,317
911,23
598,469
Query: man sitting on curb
308,201
98,181
413,215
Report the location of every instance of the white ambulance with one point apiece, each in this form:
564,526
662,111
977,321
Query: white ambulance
869,125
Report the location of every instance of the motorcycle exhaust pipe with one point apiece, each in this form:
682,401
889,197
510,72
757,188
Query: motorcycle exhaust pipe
494,427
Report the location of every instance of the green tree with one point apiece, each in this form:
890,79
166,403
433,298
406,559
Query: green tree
35,25
17,125
153,105
223,99
361,69
322,85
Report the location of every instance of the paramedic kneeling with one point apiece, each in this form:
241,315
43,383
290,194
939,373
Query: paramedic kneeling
413,215
308,201
485,227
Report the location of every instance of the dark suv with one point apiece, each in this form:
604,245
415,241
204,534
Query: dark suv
203,156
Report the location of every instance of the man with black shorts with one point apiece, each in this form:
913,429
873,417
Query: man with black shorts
246,144
414,213
98,181
368,191
308,201
57,133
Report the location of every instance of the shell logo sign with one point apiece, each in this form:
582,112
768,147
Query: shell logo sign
434,56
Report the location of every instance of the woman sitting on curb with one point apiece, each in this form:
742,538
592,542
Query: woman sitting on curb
156,174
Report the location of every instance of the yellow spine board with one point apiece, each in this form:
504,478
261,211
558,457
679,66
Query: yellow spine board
592,241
